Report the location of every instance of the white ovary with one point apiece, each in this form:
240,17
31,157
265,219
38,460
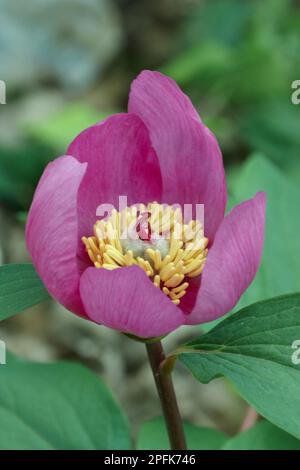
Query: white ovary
139,247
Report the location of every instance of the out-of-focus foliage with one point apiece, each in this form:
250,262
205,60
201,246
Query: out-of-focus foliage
263,436
58,407
22,165
238,61
153,434
61,46
274,129
62,127
20,170
62,40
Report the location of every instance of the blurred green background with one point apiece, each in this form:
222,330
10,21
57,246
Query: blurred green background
69,63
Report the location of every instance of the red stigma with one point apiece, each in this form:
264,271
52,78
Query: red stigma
143,227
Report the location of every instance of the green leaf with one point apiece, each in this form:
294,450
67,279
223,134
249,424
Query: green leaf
263,436
153,436
273,129
204,62
20,170
221,21
20,288
58,406
279,272
254,349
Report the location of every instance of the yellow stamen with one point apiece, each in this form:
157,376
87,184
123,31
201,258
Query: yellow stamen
156,280
175,280
169,265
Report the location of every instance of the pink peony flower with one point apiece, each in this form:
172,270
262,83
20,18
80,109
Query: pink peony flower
159,151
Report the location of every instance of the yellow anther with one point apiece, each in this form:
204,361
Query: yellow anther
108,260
129,259
157,262
167,272
186,247
180,287
156,280
108,266
175,280
174,248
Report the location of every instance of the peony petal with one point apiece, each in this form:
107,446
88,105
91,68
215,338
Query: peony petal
189,156
126,300
51,230
187,302
121,162
232,261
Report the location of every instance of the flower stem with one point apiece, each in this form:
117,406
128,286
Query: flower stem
167,396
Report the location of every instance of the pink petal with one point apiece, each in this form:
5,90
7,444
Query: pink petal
189,156
126,300
232,261
187,302
51,231
121,162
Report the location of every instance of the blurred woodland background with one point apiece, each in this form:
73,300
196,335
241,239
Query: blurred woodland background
68,64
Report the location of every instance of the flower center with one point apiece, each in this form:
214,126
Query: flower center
155,238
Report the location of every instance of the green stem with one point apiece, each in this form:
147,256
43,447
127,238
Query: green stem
167,396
